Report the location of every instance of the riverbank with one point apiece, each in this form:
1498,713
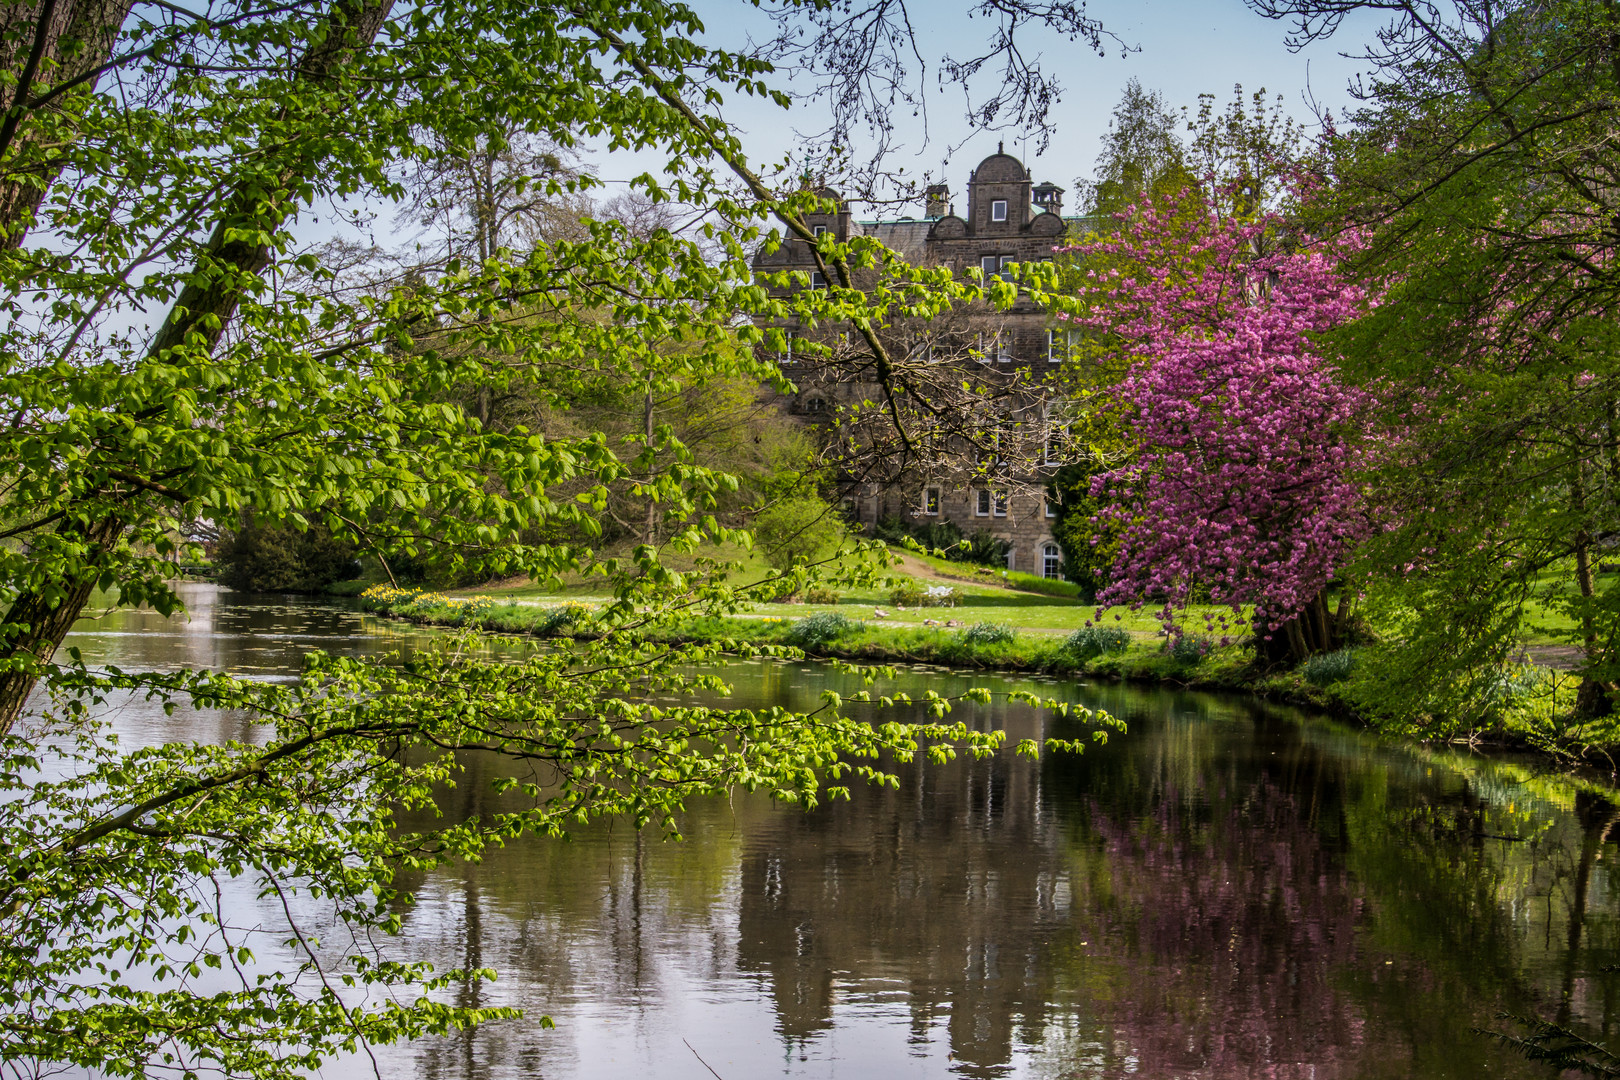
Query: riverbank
954,642
1527,719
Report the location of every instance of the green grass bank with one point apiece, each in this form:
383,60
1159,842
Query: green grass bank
987,636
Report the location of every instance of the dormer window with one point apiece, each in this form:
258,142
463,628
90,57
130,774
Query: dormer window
818,230
998,210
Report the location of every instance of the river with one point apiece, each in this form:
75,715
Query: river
1227,890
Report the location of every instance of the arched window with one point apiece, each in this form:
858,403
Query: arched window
816,405
1051,561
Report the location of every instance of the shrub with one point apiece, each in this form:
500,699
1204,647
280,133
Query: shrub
802,528
820,629
1324,669
911,593
907,593
1509,684
1190,649
980,547
817,594
1090,642
988,633
984,549
271,558
563,619
783,590
1046,586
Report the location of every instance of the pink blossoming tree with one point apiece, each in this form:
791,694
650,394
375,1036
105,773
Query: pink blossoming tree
1242,486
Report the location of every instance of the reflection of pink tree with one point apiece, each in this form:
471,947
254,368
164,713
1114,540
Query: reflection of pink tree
1234,928
1246,438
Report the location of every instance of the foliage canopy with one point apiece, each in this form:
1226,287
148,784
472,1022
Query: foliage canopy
158,161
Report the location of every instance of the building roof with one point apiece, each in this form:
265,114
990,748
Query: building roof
999,168
907,237
906,234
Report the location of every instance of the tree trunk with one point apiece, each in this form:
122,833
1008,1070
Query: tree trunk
1308,632
44,45
1595,697
38,620
40,617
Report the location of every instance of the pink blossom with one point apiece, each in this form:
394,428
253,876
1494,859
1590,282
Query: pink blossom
1247,440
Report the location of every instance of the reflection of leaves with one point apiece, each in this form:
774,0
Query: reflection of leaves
1556,1046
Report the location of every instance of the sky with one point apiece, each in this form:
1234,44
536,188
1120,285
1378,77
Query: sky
1179,47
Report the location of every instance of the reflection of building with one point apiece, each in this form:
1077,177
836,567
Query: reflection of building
1007,220
945,894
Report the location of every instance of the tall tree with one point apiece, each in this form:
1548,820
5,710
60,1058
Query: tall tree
1142,154
507,188
1482,162
1244,154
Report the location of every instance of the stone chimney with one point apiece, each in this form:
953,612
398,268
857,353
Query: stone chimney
937,203
1048,197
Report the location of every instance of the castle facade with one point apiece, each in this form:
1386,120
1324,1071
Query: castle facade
1013,356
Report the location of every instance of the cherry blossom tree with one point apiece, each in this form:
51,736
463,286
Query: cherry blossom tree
1243,485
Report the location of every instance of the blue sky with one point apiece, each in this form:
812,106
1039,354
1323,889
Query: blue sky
1185,47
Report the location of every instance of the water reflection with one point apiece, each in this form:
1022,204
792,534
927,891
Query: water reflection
1226,891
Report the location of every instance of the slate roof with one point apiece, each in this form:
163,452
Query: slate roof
907,237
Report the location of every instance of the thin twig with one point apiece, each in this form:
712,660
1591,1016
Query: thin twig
705,1064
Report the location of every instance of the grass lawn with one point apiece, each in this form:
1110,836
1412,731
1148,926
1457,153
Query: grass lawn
984,598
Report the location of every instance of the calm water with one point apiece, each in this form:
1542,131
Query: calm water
1226,891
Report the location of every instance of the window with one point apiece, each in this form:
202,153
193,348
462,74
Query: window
1012,558
1001,504
1056,436
786,355
1051,508
818,280
993,265
1059,343
930,502
979,353
818,230
1004,348
982,507
998,210
1051,561
815,405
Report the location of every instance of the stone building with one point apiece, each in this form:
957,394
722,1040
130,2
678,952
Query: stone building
1005,219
